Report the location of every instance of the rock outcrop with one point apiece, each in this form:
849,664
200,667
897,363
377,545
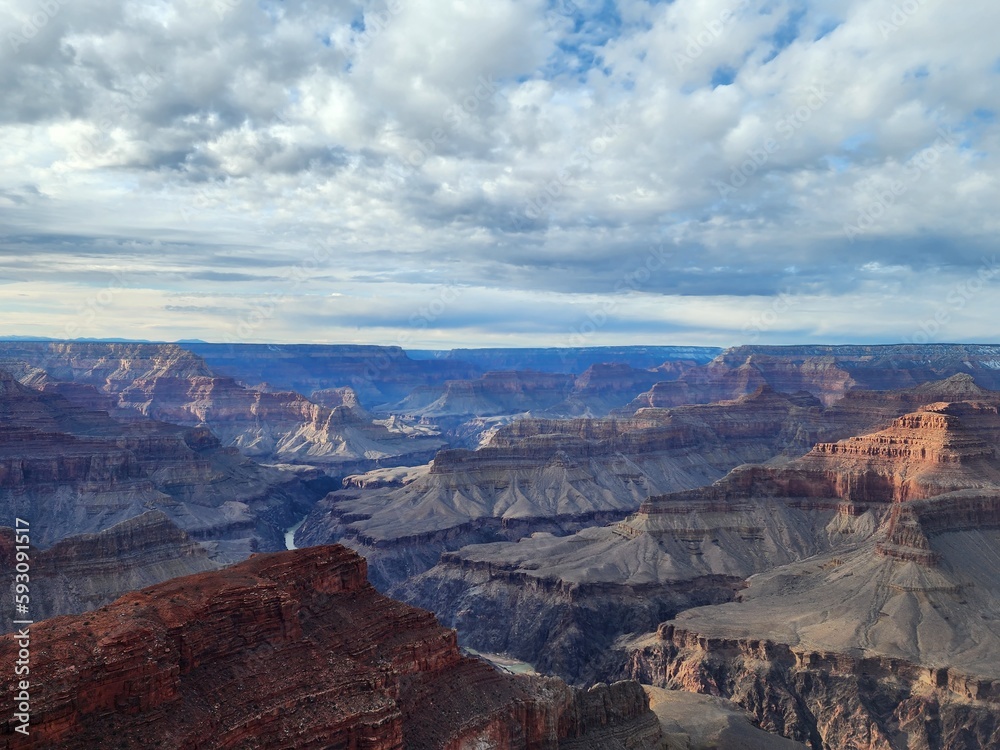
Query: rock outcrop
556,476
169,383
492,394
86,571
594,393
70,470
828,372
577,359
884,643
564,600
378,374
702,722
293,650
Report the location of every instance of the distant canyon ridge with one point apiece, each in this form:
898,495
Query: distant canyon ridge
806,534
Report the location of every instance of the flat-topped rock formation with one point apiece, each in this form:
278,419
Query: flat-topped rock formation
574,359
167,382
293,650
594,393
559,475
702,722
378,374
891,644
827,372
86,571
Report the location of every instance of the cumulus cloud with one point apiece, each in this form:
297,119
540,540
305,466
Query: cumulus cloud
667,171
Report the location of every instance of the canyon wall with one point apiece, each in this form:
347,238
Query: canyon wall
293,650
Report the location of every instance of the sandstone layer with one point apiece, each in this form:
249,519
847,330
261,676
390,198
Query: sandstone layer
886,642
294,650
611,463
828,372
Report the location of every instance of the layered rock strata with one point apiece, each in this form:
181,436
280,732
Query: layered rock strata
293,650
166,382
69,470
555,476
827,372
86,571
565,600
886,643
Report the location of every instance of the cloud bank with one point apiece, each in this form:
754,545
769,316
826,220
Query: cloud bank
501,172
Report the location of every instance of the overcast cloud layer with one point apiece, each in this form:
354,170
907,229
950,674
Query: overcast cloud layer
501,172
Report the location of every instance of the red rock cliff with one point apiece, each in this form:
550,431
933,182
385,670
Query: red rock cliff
290,650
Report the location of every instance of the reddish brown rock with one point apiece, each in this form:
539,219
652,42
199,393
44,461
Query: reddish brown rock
292,650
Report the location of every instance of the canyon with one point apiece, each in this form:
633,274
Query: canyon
74,471
558,476
794,541
166,382
845,598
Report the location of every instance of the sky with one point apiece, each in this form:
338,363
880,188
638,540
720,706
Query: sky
440,173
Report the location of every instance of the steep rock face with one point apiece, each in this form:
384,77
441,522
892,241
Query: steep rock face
557,476
284,424
702,722
828,372
861,649
86,571
329,663
889,642
167,382
70,471
594,393
564,600
604,387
